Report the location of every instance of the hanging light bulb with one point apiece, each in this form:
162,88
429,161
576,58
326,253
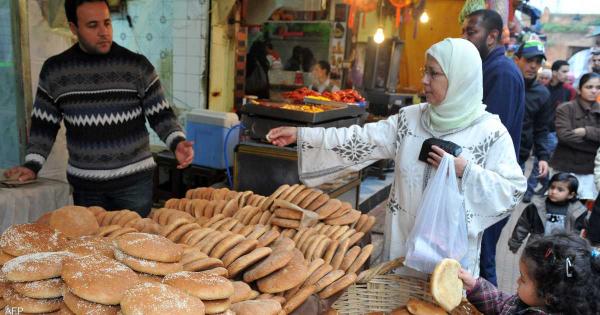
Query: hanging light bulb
379,37
424,17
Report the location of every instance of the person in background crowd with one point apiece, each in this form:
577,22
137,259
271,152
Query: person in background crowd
559,212
544,77
321,78
578,130
559,275
308,60
504,95
492,181
257,70
273,58
104,93
596,61
560,92
581,61
538,112
294,63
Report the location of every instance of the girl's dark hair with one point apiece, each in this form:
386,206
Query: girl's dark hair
565,273
71,8
568,178
586,77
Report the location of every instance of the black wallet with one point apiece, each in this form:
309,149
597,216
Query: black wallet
448,146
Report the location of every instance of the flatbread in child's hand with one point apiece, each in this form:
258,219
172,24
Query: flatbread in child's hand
446,286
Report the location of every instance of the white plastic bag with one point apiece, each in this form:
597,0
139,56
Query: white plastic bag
440,229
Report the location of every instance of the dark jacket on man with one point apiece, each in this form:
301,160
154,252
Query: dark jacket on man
575,153
536,122
504,92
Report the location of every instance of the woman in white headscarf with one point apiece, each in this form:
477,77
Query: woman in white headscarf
489,176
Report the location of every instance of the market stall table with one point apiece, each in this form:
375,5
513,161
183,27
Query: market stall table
26,203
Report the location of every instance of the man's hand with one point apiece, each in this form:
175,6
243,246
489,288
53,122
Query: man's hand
543,169
579,131
435,158
20,173
184,153
282,136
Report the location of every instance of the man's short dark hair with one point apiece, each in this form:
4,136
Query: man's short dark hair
325,66
559,63
490,20
71,8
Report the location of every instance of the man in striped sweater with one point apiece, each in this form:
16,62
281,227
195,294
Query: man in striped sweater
104,93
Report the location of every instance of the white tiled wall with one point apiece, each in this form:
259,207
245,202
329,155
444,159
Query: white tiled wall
173,35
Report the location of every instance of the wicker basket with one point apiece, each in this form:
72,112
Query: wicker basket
378,290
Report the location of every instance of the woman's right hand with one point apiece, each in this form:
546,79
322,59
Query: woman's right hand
282,136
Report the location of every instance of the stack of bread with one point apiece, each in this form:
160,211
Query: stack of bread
95,284
32,282
116,223
150,298
148,253
214,291
23,239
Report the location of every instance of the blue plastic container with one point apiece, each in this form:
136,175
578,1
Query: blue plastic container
207,129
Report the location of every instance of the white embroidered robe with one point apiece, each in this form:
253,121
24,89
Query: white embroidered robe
492,183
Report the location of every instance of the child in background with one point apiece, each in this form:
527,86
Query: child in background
560,274
559,211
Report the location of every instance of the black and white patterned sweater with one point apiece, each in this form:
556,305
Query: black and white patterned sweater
104,101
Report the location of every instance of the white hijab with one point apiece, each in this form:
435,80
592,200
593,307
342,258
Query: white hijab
461,63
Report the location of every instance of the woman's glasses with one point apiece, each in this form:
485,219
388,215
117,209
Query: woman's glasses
430,73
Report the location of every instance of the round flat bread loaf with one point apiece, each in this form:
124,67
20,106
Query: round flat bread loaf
283,243
144,277
242,248
328,208
318,274
36,266
328,279
418,307
300,297
248,260
338,285
16,301
216,306
317,203
202,285
203,264
4,257
150,247
148,266
159,299
23,239
80,306
290,276
218,271
88,245
446,286
254,307
241,291
98,279
74,221
41,289
275,261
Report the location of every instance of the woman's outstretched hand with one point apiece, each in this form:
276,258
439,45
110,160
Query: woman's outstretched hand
435,158
282,136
